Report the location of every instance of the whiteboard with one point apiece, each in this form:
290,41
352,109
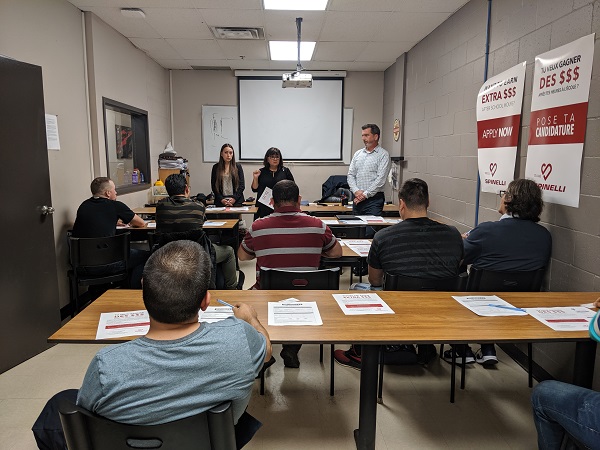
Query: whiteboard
305,124
219,126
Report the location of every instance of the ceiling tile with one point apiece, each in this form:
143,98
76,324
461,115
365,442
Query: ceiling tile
156,48
382,52
196,48
338,51
165,4
128,27
228,18
248,49
176,64
178,23
281,25
228,4
347,26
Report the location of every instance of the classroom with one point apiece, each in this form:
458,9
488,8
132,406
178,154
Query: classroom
430,86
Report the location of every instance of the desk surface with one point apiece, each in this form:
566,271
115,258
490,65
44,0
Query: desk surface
335,208
228,225
421,317
359,223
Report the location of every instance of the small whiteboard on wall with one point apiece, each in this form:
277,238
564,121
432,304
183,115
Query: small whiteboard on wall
219,126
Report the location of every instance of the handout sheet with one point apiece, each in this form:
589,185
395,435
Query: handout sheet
359,304
564,318
121,324
488,305
293,312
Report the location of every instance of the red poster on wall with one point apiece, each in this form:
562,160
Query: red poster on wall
559,103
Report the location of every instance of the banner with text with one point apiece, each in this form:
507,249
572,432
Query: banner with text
559,103
499,105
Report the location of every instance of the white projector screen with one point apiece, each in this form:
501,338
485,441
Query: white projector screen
304,123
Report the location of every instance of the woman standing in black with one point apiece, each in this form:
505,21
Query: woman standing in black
272,172
227,179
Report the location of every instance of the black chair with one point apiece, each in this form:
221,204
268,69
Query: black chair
323,279
402,283
481,280
348,232
210,430
89,258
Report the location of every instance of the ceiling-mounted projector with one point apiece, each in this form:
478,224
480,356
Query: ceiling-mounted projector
297,80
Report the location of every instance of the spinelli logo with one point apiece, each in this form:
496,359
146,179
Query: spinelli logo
546,170
493,168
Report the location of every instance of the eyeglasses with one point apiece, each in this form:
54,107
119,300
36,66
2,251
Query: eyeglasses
274,156
501,193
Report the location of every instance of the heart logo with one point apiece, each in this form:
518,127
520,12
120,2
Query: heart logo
546,170
493,167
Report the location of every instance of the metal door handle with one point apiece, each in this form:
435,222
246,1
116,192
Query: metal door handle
47,210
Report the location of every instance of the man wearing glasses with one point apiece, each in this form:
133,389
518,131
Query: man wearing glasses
516,242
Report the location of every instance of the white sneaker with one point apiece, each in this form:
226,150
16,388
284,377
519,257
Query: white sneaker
486,356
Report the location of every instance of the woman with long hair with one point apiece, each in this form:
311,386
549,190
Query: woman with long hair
227,179
272,171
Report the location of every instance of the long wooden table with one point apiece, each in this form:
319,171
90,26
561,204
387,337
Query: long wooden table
420,317
151,211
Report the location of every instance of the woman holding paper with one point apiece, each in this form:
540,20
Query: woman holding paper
227,179
266,177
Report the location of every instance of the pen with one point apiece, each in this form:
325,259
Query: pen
507,307
223,302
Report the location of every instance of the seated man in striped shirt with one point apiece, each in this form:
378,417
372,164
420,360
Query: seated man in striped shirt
288,239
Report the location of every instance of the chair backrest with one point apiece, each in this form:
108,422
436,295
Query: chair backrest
290,279
210,430
402,283
481,280
348,231
101,251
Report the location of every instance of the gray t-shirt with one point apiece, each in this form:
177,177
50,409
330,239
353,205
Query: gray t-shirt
148,382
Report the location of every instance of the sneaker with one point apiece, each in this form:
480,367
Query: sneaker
469,357
425,353
486,355
290,358
347,358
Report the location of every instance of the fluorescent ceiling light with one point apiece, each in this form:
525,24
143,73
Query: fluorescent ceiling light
297,5
288,50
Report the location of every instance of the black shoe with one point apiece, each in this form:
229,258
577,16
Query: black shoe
241,279
362,271
404,354
290,358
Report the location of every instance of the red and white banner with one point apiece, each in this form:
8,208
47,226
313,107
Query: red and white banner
559,103
499,104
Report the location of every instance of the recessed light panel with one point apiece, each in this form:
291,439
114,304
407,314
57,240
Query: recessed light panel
296,5
288,50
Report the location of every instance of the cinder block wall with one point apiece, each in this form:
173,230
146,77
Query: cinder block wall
444,74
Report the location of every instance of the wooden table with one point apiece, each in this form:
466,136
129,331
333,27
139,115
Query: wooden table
151,211
421,317
337,208
349,258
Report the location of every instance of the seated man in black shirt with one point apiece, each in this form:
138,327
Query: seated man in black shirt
98,216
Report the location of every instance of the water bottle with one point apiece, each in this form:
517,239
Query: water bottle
135,175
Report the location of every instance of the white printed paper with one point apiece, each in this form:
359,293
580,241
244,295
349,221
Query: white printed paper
238,208
361,304
377,219
52,138
294,313
123,324
329,221
361,249
210,223
215,314
564,318
266,197
489,305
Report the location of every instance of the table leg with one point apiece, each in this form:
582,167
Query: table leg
364,436
585,359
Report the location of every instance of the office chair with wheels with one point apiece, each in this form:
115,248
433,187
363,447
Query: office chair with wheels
402,283
96,262
324,279
210,430
482,280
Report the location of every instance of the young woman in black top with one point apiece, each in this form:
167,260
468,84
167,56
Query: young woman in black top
272,172
227,179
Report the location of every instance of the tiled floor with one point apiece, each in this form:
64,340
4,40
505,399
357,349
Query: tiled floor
493,412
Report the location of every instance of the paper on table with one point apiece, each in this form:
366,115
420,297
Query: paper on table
361,250
371,219
121,324
358,304
329,221
392,220
357,242
489,305
292,312
564,318
266,197
215,314
210,223
150,224
216,208
239,208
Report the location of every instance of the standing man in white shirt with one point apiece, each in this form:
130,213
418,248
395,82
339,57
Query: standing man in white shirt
367,173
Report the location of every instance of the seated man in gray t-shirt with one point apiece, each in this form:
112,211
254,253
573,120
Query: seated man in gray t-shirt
136,383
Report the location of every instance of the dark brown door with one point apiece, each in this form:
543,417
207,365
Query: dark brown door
29,305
